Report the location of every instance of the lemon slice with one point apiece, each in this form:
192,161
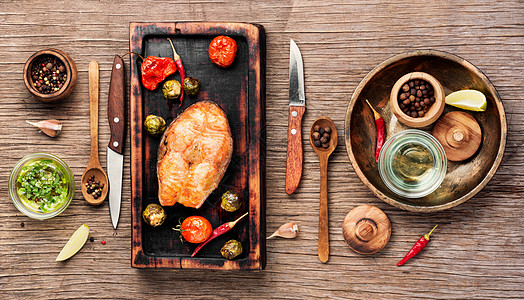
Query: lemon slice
467,99
75,243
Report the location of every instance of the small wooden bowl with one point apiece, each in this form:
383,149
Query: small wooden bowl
464,179
434,111
68,86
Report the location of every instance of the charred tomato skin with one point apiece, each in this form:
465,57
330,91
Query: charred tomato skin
222,51
196,229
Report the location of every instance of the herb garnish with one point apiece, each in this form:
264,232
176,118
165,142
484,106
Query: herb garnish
43,183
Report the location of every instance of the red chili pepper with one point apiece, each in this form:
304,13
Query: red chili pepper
220,230
381,130
155,70
419,245
178,62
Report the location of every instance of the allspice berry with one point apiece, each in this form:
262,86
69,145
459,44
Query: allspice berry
321,136
416,97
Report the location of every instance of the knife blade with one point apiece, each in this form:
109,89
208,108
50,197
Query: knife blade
115,149
297,108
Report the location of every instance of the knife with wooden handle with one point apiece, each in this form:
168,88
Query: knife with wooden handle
297,108
115,150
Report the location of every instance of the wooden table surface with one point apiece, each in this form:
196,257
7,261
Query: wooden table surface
476,252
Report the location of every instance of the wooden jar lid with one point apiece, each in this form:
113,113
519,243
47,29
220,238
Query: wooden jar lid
366,229
459,133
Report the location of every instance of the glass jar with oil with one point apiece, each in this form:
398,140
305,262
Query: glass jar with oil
412,163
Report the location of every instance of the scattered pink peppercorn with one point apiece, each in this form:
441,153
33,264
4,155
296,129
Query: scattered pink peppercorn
103,242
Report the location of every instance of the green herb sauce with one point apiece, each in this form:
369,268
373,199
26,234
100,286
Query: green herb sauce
42,185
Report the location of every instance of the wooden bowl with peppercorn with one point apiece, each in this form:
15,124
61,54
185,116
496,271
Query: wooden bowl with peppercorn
50,75
417,99
463,179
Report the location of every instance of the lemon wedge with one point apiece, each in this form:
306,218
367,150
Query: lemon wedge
75,243
467,99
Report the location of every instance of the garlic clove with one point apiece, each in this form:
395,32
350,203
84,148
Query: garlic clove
288,231
51,128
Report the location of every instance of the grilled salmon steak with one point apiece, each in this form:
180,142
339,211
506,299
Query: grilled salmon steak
193,156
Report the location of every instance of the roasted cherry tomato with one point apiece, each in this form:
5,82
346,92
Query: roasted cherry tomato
196,229
222,51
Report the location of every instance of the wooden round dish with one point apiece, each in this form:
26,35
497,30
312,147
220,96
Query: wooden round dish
69,84
463,179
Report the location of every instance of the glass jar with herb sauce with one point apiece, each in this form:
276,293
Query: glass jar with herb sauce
412,163
41,186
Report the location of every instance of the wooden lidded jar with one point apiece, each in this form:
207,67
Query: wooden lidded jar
366,229
434,111
69,84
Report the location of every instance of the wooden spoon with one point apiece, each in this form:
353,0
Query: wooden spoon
93,167
323,157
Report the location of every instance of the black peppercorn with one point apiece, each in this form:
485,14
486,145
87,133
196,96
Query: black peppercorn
94,187
45,75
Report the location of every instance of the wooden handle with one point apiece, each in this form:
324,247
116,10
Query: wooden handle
116,106
93,108
323,219
294,148
459,134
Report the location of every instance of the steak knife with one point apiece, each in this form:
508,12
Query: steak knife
297,108
115,149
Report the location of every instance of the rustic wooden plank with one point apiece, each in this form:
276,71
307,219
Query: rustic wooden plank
238,92
476,251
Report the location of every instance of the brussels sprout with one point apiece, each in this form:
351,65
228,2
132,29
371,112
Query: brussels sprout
231,249
155,125
172,89
154,215
230,201
191,86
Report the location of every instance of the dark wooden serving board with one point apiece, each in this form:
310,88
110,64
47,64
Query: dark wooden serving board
240,92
